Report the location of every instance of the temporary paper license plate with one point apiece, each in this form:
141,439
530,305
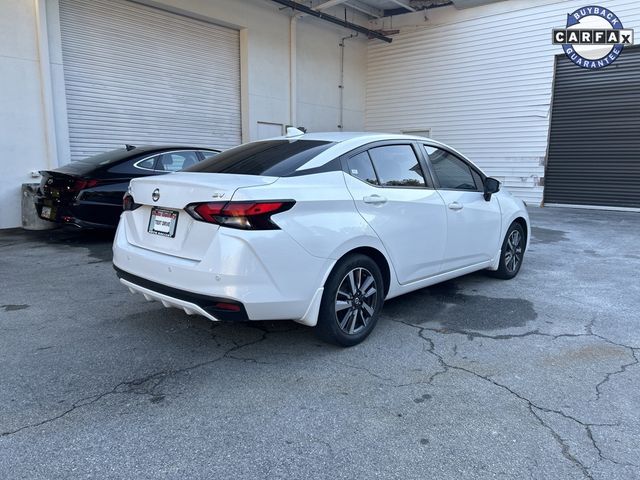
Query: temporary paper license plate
163,222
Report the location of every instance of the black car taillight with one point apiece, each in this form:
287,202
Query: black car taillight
128,204
250,215
83,183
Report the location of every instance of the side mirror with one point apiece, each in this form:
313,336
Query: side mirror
491,186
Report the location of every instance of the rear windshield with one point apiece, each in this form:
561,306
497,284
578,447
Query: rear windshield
107,157
276,158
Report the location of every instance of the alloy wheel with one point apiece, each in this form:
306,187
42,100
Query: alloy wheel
513,252
356,300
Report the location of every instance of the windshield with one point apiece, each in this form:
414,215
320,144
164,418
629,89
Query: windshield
277,158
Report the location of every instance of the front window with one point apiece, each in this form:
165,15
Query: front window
451,172
277,158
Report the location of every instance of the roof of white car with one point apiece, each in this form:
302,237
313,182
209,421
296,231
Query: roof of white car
347,141
344,136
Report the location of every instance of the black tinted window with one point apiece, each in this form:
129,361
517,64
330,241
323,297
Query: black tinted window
174,161
208,154
360,167
126,168
147,164
276,158
397,166
135,166
107,158
450,171
477,178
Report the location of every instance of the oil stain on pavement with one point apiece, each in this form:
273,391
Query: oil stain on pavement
547,235
455,311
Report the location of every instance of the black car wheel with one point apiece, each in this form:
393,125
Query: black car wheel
512,253
353,296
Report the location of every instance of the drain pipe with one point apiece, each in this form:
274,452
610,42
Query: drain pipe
341,85
293,71
46,95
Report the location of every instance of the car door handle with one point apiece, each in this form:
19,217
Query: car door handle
455,206
375,199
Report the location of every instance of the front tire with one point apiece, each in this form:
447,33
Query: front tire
512,253
352,298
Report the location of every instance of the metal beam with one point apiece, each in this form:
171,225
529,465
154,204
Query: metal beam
329,4
335,20
355,5
404,4
365,8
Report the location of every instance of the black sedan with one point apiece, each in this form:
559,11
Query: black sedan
88,193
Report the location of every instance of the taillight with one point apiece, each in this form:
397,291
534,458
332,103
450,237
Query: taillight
128,204
251,215
82,184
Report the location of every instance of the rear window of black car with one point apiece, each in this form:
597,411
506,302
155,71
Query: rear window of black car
107,158
276,158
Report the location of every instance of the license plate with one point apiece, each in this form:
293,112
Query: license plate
163,222
47,212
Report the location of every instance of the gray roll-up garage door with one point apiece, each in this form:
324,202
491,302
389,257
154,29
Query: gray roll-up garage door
594,143
139,75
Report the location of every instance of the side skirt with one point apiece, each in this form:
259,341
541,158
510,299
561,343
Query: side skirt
427,282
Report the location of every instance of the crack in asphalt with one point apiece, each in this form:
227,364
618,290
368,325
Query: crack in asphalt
601,455
589,333
149,384
564,448
133,386
365,369
588,427
622,369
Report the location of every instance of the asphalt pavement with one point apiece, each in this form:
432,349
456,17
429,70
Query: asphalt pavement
535,377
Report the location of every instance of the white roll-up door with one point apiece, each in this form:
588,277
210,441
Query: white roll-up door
139,75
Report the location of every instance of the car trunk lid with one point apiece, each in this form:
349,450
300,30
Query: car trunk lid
57,186
164,198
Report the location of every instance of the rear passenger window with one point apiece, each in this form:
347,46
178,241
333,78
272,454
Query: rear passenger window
207,154
360,167
397,166
451,172
175,161
134,167
147,164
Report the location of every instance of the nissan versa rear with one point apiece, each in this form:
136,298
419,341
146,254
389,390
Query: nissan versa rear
315,228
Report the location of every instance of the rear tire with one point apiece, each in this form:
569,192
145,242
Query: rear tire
512,253
352,298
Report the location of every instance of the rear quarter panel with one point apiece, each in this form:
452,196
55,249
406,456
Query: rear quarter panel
324,220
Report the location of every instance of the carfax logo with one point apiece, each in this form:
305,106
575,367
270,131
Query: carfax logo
593,38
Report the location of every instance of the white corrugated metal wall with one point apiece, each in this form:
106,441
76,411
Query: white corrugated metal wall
482,85
140,75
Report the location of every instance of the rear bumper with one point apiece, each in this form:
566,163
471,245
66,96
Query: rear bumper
80,214
271,276
191,303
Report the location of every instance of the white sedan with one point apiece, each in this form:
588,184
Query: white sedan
316,228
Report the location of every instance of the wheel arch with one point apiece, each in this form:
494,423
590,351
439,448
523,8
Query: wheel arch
378,257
